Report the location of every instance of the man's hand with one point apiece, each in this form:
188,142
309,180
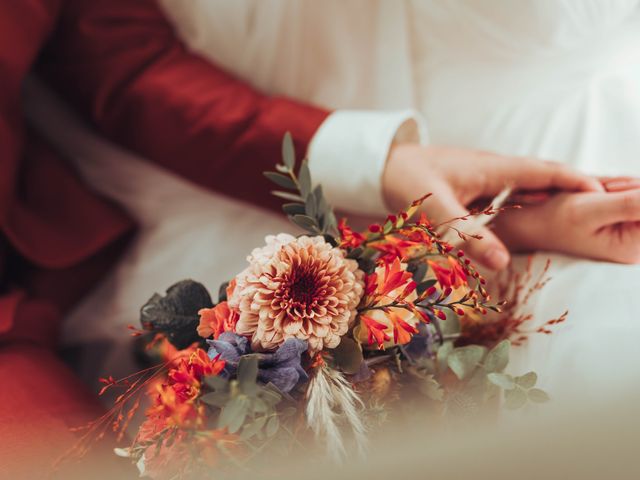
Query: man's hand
458,177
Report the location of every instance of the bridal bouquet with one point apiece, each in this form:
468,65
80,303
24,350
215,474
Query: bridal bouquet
318,340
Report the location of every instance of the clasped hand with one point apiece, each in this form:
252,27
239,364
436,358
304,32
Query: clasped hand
571,213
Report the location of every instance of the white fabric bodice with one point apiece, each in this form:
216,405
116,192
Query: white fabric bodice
532,77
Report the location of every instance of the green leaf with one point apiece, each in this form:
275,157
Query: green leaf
498,358
347,356
287,196
271,395
330,223
293,208
426,285
248,374
288,152
502,380
272,426
356,252
464,360
216,383
304,179
515,398
260,406
537,395
215,399
234,413
281,180
310,206
450,326
430,387
251,429
419,271
528,380
443,354
306,223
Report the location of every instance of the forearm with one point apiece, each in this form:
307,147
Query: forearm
121,65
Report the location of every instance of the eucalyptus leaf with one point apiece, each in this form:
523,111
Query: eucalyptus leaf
248,374
281,180
356,252
272,426
502,380
330,223
430,387
270,395
443,354
498,358
260,406
464,360
450,326
251,429
304,179
311,207
218,384
287,196
528,380
347,356
426,285
293,208
288,152
515,398
234,413
419,271
537,395
215,399
305,222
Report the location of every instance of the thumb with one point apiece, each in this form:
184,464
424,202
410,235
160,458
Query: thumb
488,250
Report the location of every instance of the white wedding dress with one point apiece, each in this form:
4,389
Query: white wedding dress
556,79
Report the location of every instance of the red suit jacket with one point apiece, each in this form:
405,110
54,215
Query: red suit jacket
119,63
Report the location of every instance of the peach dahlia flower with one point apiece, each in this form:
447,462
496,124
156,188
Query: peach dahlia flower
297,288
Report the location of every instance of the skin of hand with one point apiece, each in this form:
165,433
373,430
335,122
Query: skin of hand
596,225
458,177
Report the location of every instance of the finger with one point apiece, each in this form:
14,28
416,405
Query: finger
489,251
523,173
619,184
609,208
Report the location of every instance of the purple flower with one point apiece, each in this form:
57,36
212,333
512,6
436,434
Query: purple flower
282,368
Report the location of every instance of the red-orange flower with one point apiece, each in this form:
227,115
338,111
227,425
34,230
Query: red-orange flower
175,400
217,320
453,277
349,238
374,330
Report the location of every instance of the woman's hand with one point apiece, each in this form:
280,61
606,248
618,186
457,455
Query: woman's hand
601,226
458,177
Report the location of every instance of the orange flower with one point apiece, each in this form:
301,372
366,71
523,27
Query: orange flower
374,330
402,331
386,325
392,278
175,400
349,238
453,277
217,320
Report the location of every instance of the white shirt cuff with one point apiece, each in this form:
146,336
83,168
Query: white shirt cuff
348,153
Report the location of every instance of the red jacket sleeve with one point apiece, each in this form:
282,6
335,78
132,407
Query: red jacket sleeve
119,62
